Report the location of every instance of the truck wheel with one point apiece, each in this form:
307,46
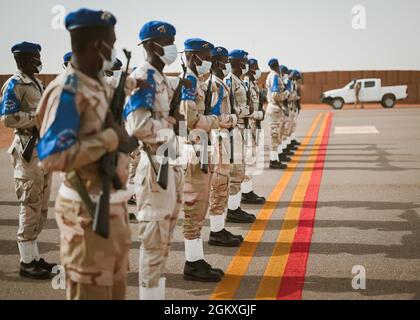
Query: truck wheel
388,101
337,103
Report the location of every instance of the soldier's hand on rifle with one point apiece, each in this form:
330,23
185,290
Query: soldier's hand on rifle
258,115
123,137
142,84
234,120
186,83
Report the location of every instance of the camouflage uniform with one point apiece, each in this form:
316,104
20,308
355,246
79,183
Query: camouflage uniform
251,154
158,209
239,181
74,108
219,191
275,95
20,97
197,183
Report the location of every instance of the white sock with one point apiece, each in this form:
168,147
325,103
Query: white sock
36,250
26,251
234,201
246,186
194,250
274,156
217,223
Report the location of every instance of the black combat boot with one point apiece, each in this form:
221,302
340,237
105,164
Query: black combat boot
132,217
132,201
237,236
288,153
201,271
292,147
296,143
277,165
45,265
284,158
33,271
239,216
252,198
223,239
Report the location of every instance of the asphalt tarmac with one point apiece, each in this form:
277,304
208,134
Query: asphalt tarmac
343,222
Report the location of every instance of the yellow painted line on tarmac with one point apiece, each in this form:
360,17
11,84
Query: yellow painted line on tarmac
238,267
270,283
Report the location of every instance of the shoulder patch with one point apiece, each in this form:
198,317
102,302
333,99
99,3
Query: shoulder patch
216,110
275,86
10,103
142,98
189,94
64,130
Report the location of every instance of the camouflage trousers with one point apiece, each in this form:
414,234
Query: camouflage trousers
132,165
33,189
196,200
277,123
238,169
155,238
158,212
96,268
219,188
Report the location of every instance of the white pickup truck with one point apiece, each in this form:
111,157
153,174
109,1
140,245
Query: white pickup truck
371,91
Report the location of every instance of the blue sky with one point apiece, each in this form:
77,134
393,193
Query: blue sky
308,35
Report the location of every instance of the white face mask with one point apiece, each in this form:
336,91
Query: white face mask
117,74
257,74
108,64
227,70
204,68
39,68
244,71
170,54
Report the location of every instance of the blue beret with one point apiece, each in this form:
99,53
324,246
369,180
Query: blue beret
219,52
273,61
252,61
26,47
197,44
156,30
89,18
284,69
67,56
238,54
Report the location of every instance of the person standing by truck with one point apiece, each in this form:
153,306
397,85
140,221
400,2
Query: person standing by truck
357,88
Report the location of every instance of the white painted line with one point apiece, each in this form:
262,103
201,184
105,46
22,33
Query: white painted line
356,130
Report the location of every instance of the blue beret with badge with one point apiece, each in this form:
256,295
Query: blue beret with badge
252,61
220,52
197,44
156,30
67,57
26,47
273,61
83,18
238,54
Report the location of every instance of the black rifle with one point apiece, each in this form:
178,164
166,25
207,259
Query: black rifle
207,110
162,172
261,109
232,111
30,146
109,161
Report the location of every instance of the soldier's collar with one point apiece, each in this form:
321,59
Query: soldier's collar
159,78
24,78
88,81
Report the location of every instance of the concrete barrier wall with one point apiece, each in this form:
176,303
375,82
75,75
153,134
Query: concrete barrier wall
315,83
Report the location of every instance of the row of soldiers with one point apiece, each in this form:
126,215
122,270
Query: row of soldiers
69,128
